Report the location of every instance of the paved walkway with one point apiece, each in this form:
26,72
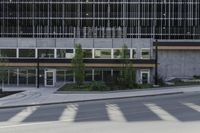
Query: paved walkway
44,96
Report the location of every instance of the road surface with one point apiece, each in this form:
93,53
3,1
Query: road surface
161,114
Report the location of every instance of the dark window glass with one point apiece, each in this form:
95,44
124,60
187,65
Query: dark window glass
8,52
26,53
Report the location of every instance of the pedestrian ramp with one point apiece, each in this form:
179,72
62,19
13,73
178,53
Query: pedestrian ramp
182,112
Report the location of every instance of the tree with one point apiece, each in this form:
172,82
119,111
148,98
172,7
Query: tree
128,72
3,72
78,65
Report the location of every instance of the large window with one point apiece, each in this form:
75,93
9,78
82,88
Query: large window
102,75
7,52
46,53
103,53
88,75
23,80
13,76
87,53
98,75
69,76
32,77
145,53
60,75
65,53
26,53
120,53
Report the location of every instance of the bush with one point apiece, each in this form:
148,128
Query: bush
99,86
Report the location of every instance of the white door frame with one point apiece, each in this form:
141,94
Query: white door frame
147,71
54,77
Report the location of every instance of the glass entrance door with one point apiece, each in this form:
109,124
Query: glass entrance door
49,78
145,77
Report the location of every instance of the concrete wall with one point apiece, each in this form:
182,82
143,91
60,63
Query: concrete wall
179,63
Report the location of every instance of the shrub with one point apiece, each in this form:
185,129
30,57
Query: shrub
98,86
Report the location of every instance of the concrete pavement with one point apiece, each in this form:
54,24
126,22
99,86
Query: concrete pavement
44,96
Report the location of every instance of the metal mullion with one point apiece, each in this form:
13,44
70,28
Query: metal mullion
63,19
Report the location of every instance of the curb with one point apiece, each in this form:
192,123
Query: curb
100,99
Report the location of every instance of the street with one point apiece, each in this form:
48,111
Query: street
159,114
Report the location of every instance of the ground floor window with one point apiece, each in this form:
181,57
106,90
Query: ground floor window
69,76
28,76
88,75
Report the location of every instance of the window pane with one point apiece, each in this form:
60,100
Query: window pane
107,75
41,77
69,76
26,53
60,76
118,53
87,53
13,76
103,53
88,75
46,53
8,52
23,77
65,53
98,75
145,54
134,56
31,77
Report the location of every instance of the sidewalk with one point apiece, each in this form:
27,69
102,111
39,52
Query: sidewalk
45,96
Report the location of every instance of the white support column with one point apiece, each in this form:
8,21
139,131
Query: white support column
93,54
17,52
112,53
131,52
55,53
36,52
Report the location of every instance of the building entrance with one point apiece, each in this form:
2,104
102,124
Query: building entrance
50,78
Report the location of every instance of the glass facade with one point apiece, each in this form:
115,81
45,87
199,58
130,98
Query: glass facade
8,53
28,76
69,53
160,19
46,53
102,53
65,53
145,53
118,53
87,53
27,53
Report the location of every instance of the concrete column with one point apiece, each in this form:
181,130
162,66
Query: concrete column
55,53
17,52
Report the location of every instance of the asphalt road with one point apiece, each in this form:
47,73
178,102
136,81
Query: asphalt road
162,114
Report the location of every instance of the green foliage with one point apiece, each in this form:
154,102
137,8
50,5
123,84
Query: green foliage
3,73
78,65
128,73
98,86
